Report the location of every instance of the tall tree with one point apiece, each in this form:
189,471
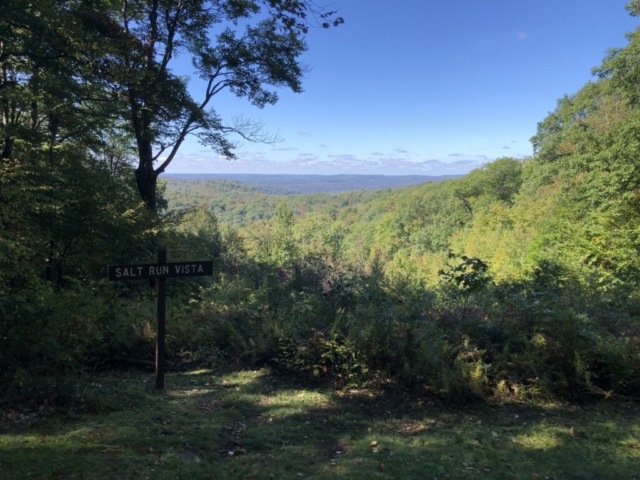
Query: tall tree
244,46
56,112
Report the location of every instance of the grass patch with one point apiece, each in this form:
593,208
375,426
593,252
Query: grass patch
255,425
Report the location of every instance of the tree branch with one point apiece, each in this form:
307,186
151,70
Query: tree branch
171,31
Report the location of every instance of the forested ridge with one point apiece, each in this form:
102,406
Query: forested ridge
239,203
519,280
236,201
296,183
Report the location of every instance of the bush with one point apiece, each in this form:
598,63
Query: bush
333,359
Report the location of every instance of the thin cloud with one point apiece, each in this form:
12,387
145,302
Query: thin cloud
514,141
464,163
378,154
306,157
344,163
304,133
322,145
456,155
506,148
251,156
284,149
346,157
523,36
400,150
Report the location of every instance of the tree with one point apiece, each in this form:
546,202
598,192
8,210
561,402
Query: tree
55,115
256,45
283,249
633,8
503,178
465,279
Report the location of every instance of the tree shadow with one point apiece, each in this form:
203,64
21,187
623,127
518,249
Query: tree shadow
257,425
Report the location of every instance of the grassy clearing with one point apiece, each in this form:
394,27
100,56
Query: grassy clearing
254,425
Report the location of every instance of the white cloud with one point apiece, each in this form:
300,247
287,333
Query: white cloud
343,163
522,36
346,158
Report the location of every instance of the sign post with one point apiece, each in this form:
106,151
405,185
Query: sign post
161,270
161,330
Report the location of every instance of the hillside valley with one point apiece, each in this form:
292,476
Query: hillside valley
237,203
310,326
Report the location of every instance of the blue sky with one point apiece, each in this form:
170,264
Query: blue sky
424,87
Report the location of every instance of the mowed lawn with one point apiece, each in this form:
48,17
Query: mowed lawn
252,424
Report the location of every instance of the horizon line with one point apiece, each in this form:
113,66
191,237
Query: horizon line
323,174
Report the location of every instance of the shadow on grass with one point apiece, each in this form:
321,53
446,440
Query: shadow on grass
255,425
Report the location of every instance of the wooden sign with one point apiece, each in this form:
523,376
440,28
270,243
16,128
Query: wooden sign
161,270
157,270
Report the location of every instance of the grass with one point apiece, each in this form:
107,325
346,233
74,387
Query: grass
255,425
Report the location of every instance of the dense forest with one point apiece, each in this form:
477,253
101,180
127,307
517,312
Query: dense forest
239,203
238,199
521,279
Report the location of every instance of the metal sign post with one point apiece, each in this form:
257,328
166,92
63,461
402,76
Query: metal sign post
161,270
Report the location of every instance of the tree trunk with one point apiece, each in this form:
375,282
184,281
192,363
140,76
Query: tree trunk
7,151
146,176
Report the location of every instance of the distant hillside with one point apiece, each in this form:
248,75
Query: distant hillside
216,186
292,184
238,203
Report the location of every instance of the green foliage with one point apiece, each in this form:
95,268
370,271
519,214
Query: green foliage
465,279
193,233
503,178
468,277
349,288
334,359
282,244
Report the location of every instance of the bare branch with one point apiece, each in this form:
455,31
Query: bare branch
252,130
